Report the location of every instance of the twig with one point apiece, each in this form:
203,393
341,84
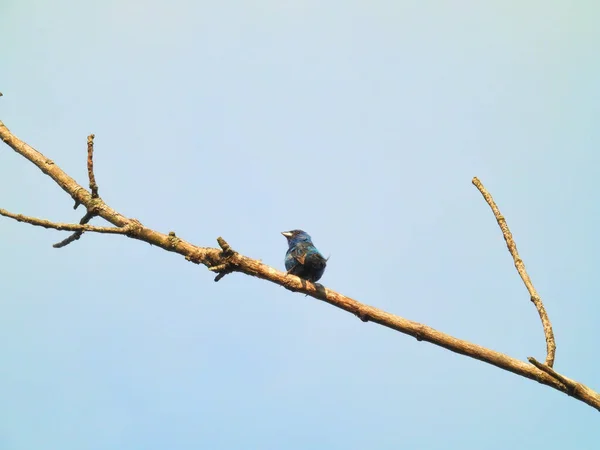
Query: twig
91,212
75,236
227,250
62,226
520,266
90,165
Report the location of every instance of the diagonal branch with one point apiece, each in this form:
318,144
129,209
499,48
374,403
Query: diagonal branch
226,260
512,248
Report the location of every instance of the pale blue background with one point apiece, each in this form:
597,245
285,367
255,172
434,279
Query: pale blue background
360,122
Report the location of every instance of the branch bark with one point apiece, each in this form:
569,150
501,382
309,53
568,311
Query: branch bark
225,260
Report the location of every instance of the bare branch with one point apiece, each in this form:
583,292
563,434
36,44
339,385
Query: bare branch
62,226
225,260
512,248
90,165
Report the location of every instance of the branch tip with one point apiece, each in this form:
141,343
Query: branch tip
74,237
220,276
90,165
520,266
222,269
227,250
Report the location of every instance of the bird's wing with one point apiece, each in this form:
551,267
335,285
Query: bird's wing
308,254
299,254
316,259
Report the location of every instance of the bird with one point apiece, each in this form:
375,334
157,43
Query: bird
302,258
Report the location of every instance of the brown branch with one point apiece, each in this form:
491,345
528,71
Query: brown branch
512,248
78,228
90,166
225,259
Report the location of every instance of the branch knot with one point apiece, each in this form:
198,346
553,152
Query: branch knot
173,240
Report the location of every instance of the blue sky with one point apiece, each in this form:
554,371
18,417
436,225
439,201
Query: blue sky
359,122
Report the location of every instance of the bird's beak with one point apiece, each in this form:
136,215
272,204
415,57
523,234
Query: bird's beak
287,234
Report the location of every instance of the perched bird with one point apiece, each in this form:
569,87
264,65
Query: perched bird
302,258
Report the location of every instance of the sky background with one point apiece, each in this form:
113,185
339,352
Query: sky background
362,123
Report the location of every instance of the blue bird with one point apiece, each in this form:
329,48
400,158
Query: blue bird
302,258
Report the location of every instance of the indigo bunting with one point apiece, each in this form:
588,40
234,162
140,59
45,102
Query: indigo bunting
302,258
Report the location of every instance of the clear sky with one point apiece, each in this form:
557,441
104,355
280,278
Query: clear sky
359,122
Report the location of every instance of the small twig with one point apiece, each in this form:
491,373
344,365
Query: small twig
75,236
520,266
90,165
222,270
79,228
89,215
227,250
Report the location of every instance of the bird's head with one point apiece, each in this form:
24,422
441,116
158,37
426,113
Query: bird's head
295,236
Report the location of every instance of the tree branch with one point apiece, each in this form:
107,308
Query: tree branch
78,228
224,260
512,248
